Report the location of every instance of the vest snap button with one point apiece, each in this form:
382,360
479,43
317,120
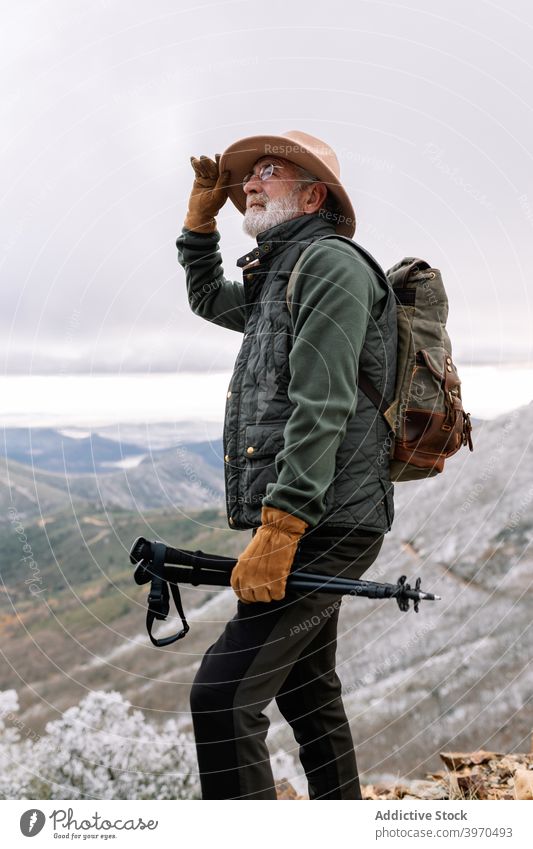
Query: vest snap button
248,258
250,449
226,458
449,368
229,394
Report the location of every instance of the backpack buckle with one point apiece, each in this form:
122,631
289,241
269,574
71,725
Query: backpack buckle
449,421
467,431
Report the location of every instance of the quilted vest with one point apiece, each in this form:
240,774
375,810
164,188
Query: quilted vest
258,407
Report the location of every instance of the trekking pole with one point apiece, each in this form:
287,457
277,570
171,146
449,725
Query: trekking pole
152,560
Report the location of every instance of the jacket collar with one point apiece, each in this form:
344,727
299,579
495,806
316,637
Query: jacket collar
273,241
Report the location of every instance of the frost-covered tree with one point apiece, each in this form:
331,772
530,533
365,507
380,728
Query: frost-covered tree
12,749
102,749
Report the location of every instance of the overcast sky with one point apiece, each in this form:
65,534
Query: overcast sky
428,105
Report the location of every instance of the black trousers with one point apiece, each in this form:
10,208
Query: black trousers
283,650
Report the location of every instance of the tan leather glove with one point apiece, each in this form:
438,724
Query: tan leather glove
209,194
261,571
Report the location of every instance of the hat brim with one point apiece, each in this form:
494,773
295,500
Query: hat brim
240,157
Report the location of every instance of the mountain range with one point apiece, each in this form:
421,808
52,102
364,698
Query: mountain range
45,466
454,676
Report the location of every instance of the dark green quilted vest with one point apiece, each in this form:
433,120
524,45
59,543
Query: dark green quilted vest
258,406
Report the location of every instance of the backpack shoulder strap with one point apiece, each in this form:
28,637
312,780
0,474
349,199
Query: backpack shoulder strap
365,384
368,256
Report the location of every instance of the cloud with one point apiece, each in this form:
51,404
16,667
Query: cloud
104,109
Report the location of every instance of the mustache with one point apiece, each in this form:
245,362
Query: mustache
262,198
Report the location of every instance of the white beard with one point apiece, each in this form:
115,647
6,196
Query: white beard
275,212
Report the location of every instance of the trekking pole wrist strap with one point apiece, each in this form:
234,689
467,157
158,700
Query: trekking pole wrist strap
159,598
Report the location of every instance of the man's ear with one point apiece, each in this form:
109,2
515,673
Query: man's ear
316,197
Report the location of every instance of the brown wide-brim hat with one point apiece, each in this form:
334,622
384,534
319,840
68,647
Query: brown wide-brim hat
304,150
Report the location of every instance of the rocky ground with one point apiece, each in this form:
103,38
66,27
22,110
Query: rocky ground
467,775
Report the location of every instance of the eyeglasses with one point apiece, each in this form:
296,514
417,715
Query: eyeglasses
265,172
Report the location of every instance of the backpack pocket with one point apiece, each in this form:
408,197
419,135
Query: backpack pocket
432,419
434,374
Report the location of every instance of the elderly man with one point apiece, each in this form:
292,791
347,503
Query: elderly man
305,452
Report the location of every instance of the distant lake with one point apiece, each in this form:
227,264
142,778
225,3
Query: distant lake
102,399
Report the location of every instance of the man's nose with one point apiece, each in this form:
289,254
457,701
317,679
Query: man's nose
254,184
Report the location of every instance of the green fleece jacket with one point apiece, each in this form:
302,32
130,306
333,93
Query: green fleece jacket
331,306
